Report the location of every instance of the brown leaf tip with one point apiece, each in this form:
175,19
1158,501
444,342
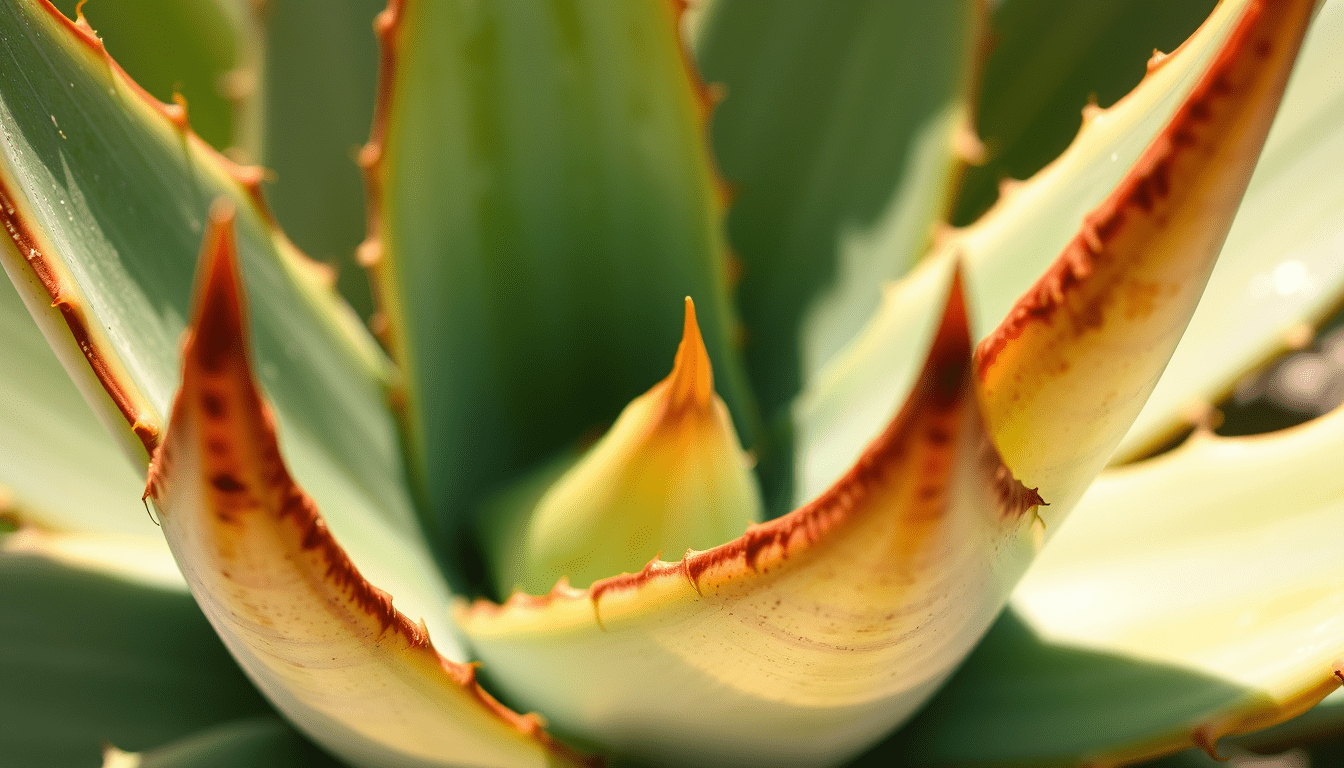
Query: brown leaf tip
950,354
218,337
217,378
247,474
691,384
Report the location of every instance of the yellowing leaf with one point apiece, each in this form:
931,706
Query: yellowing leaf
1216,558
670,475
1064,376
807,638
324,644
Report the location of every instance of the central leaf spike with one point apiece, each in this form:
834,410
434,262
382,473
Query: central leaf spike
670,475
691,384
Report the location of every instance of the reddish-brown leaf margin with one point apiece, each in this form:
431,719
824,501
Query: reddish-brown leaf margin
216,358
942,385
1143,187
65,297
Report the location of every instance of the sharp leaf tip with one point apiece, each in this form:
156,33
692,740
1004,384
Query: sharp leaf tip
691,383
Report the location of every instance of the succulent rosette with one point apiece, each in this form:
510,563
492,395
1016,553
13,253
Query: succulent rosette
688,431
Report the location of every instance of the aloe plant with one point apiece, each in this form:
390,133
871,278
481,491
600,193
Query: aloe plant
872,425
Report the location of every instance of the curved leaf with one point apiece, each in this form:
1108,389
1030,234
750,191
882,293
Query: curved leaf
1003,253
1232,579
324,644
808,637
1283,264
1065,374
669,476
1195,589
105,199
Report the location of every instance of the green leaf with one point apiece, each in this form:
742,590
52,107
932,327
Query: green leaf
838,134
60,465
318,89
257,743
1195,589
547,205
811,635
1283,264
90,659
106,200
323,643
1047,61
206,50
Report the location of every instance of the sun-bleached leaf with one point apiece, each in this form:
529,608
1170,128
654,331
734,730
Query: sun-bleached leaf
808,637
1199,591
1064,375
325,645
104,196
1211,559
1283,264
1002,253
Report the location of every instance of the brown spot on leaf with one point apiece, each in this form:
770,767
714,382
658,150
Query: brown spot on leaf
217,336
213,404
227,484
